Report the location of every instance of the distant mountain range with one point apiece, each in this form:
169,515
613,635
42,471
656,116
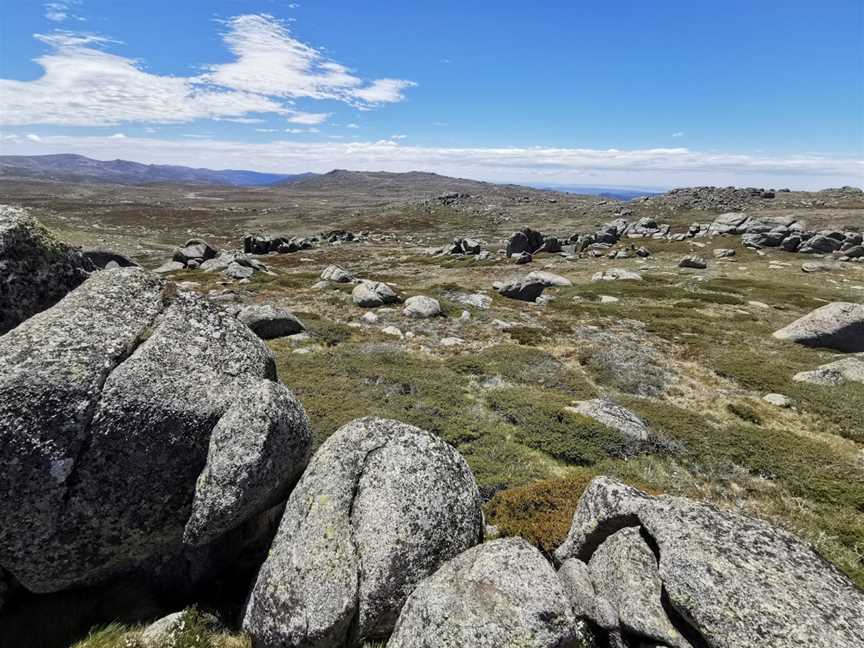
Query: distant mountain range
612,193
77,168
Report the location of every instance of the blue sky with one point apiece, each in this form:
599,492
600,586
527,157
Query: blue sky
659,93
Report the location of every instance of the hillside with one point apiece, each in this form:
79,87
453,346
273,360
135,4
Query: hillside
78,168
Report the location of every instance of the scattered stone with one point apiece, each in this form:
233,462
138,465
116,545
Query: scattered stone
839,326
608,299
758,304
170,266
724,253
643,252
269,322
336,274
392,330
522,258
525,240
778,400
451,341
616,274
548,278
477,300
371,294
783,593
695,262
422,307
236,270
369,318
381,507
523,289
614,416
501,593
811,266
195,250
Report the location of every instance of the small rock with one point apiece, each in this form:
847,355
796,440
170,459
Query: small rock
336,274
616,274
614,416
724,253
838,372
371,294
170,266
452,341
778,400
523,289
369,317
422,307
695,262
392,330
548,278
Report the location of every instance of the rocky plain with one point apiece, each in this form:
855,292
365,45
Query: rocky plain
413,411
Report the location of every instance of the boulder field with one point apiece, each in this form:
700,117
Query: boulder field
144,434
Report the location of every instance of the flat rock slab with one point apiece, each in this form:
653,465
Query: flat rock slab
381,506
502,593
614,416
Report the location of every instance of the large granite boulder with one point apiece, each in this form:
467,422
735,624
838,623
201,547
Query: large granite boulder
112,404
728,581
522,289
525,240
502,593
36,269
839,326
422,307
381,506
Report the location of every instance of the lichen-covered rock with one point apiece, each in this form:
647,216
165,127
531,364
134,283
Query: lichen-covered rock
624,573
694,262
269,322
107,405
576,581
501,593
380,507
257,452
36,269
838,372
371,294
422,307
733,581
839,326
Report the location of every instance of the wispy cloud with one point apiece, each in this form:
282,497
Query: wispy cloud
637,167
678,134
61,10
83,84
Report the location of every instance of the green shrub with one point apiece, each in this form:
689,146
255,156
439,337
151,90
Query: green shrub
744,412
542,422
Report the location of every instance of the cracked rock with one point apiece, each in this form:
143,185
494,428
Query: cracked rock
732,581
380,507
108,402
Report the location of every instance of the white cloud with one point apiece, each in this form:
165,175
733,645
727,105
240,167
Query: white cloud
678,134
34,138
398,137
270,61
117,136
302,130
641,167
311,119
85,85
267,130
352,126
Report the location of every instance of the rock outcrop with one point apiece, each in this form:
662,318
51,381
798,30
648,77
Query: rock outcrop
839,326
523,289
36,269
727,580
501,593
381,506
112,404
